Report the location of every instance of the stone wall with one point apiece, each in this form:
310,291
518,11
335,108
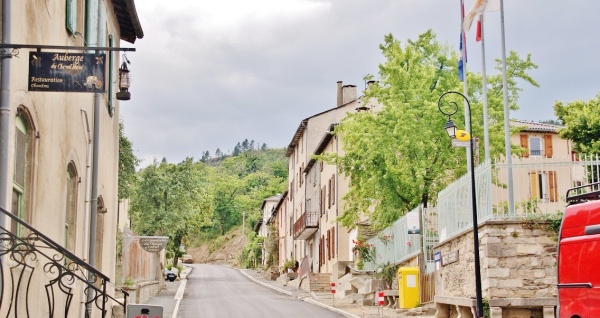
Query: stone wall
410,262
518,260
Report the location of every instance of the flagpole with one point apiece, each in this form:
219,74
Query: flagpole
486,131
463,53
511,199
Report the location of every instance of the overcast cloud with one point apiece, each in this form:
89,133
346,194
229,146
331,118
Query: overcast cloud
209,74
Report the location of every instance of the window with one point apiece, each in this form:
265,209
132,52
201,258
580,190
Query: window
71,208
535,146
543,185
22,153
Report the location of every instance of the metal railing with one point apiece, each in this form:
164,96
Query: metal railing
32,265
306,220
394,244
540,185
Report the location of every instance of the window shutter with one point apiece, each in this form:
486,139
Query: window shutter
333,189
535,191
548,146
332,242
328,244
323,249
323,196
525,144
329,194
553,186
71,16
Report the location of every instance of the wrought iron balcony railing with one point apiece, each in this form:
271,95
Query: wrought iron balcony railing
32,265
306,225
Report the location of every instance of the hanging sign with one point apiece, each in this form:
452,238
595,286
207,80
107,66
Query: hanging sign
412,222
66,72
153,244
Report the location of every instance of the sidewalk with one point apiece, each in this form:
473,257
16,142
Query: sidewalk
170,297
342,306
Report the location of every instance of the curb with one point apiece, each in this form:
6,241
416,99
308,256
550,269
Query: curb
306,299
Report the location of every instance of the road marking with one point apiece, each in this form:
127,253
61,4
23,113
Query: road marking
179,297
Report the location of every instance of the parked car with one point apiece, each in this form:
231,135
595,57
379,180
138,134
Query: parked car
187,259
579,254
170,275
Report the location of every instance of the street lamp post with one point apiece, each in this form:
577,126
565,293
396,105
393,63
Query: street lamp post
451,130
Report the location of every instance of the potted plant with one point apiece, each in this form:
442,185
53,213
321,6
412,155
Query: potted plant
288,265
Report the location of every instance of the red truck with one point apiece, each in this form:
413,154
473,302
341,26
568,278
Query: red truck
579,254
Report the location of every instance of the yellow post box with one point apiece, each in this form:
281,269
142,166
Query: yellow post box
408,287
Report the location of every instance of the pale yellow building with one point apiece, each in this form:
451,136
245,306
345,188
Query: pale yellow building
49,136
316,189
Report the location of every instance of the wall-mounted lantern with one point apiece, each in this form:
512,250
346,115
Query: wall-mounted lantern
124,82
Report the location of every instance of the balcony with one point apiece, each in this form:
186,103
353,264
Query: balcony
306,225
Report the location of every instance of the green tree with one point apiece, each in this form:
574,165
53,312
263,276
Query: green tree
171,200
400,156
127,164
226,212
581,124
205,156
237,150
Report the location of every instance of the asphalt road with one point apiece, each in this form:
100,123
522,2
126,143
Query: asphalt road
218,291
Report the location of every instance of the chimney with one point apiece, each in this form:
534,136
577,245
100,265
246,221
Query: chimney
348,94
339,94
371,83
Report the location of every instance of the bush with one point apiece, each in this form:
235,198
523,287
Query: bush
387,272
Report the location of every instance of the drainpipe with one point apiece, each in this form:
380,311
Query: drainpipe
5,109
86,224
337,202
92,39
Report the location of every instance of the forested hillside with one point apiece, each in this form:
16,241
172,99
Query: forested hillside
200,200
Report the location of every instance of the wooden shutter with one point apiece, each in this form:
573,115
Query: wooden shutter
553,187
321,251
548,146
535,189
71,17
329,194
332,242
323,195
525,144
333,189
328,245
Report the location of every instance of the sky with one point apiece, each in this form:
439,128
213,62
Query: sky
208,74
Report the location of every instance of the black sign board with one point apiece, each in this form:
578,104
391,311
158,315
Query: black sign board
66,72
